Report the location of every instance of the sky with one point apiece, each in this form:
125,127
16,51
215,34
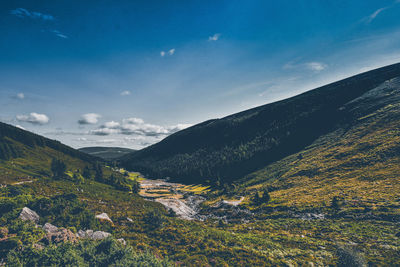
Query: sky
130,73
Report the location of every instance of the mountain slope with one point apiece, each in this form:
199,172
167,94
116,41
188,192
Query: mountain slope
24,155
106,153
229,148
358,162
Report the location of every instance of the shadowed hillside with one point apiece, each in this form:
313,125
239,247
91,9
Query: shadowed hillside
232,147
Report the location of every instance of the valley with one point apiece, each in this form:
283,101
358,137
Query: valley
250,189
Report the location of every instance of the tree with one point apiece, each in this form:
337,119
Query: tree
154,219
265,197
135,186
335,204
98,173
86,173
58,168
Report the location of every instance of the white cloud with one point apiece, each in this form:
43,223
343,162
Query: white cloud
20,95
22,13
137,126
125,93
133,121
34,118
169,52
316,66
59,34
214,37
111,124
89,118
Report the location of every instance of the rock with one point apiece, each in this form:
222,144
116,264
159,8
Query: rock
29,215
129,219
55,235
49,228
3,232
92,235
123,242
104,217
100,235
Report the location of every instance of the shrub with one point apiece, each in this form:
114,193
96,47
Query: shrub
107,252
154,219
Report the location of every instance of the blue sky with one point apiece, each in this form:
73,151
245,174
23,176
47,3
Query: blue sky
129,73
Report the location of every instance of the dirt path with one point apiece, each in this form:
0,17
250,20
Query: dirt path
172,195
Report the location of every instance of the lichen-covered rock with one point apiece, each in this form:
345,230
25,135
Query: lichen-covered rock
104,217
60,236
29,215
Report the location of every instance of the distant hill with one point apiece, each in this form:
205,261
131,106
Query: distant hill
232,147
106,153
24,154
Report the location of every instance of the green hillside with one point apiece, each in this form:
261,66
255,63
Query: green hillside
25,155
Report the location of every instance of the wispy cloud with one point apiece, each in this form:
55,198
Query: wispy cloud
59,34
34,118
89,118
214,37
125,93
162,53
24,13
20,96
313,66
376,13
371,17
316,66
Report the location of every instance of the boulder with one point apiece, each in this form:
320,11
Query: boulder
49,228
29,215
100,235
90,234
104,217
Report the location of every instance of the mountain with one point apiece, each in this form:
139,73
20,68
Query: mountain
106,153
230,148
24,155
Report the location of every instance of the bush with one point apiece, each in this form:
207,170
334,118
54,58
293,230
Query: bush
154,219
107,252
